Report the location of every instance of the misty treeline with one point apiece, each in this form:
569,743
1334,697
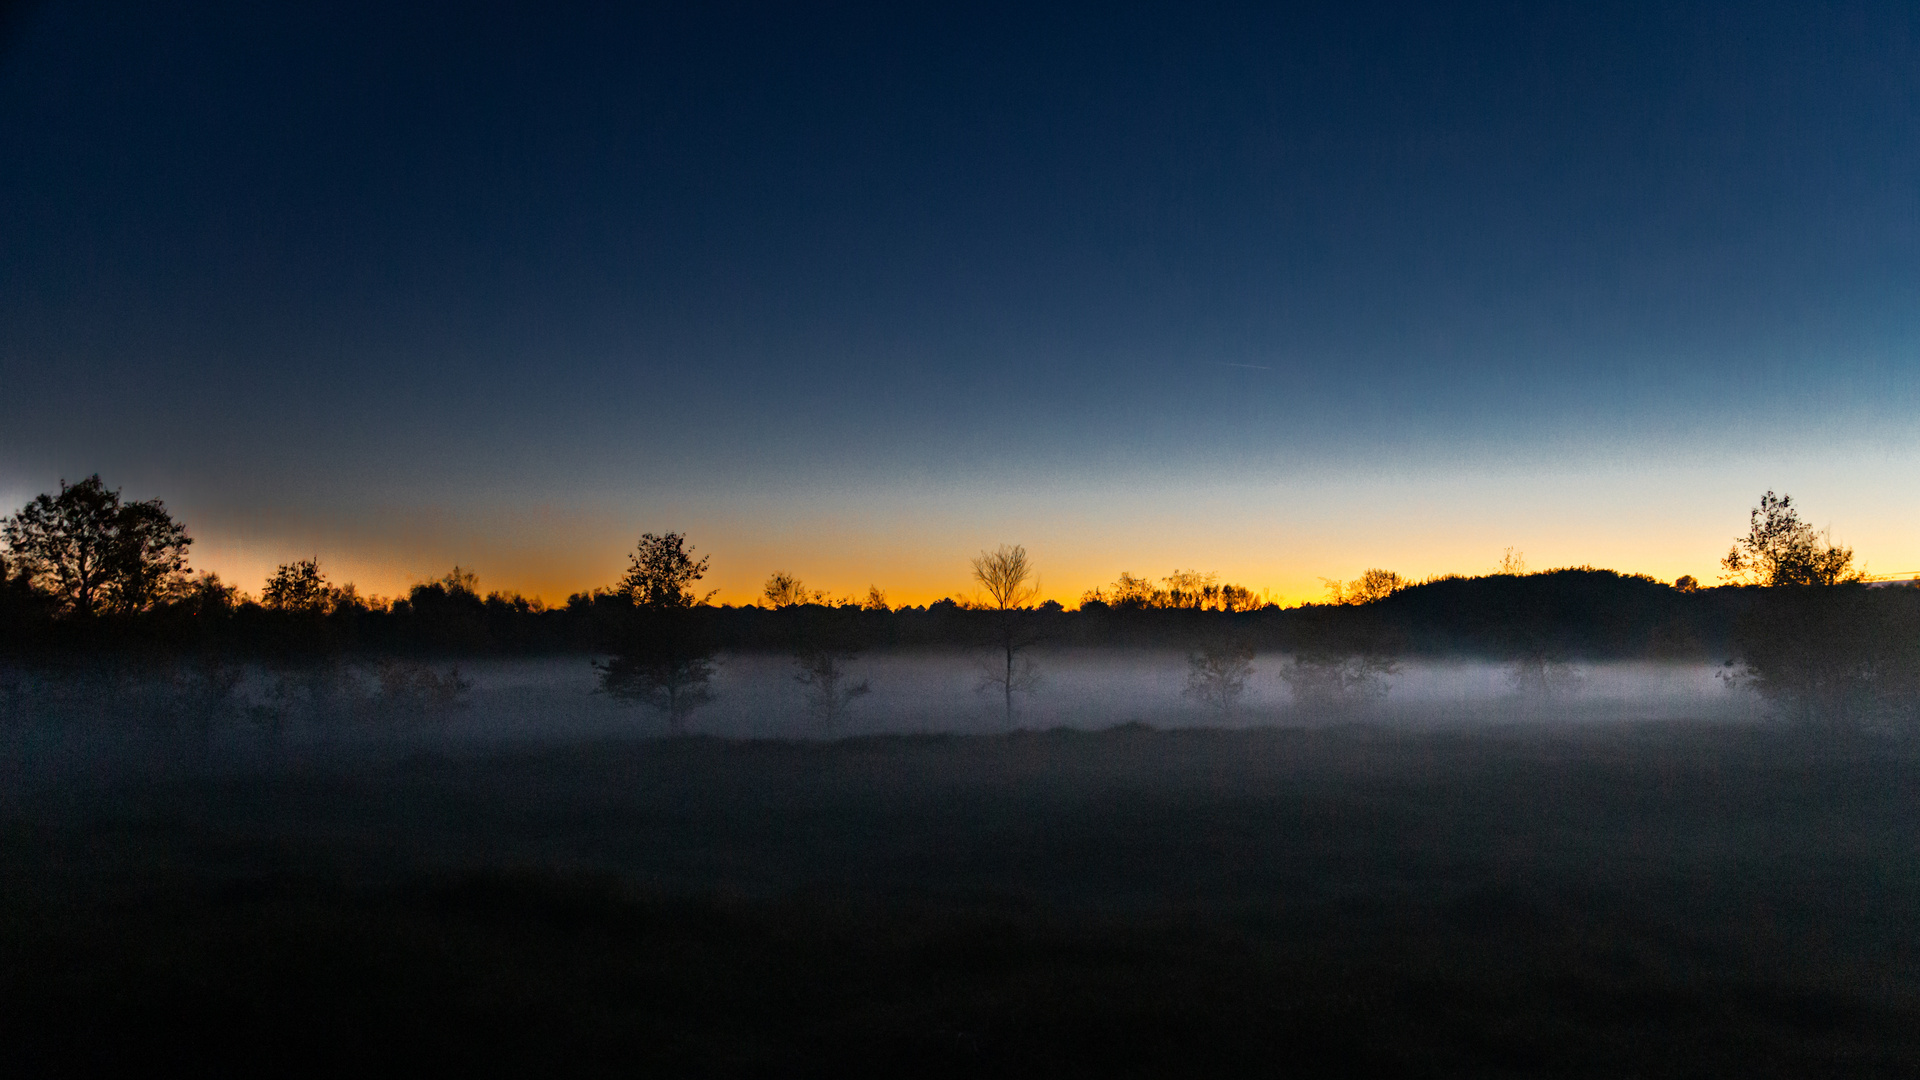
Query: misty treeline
84,573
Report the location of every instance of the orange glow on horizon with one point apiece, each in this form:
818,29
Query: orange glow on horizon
1280,536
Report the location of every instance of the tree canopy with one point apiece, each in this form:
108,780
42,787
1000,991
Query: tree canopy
1780,549
93,553
662,573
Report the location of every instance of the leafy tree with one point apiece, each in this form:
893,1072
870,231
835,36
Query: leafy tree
461,582
208,596
1836,660
1780,549
664,660
1338,683
298,586
661,652
662,573
1217,674
93,553
1237,598
445,614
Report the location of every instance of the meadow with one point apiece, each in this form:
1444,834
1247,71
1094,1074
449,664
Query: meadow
1659,897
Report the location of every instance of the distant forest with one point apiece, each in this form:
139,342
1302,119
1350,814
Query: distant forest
84,570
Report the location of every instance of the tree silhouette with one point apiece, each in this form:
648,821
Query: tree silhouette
662,654
1780,549
93,553
1217,673
1338,683
298,586
1008,580
784,590
1372,585
826,641
661,574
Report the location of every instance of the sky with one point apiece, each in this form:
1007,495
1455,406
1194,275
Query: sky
855,292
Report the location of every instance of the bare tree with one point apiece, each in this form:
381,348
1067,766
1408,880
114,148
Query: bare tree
1010,585
1192,589
1135,593
1007,577
1374,584
784,590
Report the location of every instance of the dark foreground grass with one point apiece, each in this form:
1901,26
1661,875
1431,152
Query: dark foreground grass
1658,901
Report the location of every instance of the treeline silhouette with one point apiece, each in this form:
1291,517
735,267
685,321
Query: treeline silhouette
1575,613
119,600
84,571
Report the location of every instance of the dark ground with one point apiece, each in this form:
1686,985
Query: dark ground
1657,901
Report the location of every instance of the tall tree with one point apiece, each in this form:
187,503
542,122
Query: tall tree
93,553
661,653
1008,579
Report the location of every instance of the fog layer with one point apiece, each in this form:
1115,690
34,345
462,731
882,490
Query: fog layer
124,715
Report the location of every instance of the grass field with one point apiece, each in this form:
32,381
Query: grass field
1657,900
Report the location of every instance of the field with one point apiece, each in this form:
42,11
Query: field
1653,898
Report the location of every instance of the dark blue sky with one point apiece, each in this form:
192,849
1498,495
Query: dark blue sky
311,272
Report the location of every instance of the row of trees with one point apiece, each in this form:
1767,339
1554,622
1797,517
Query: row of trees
86,552
1182,590
1805,629
662,655
1819,644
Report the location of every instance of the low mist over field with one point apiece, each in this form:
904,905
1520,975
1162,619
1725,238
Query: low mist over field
1046,540
253,710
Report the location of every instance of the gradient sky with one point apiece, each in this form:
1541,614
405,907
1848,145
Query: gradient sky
855,292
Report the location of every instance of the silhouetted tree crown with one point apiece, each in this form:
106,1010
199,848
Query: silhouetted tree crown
662,573
93,553
1780,549
784,590
297,586
1006,576
1370,587
1185,590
